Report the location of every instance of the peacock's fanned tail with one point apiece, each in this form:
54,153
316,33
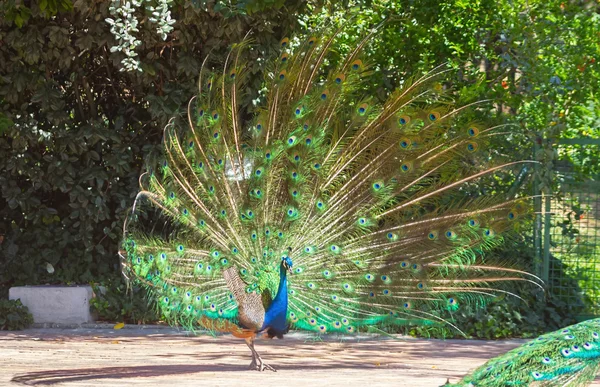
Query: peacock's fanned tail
567,357
364,196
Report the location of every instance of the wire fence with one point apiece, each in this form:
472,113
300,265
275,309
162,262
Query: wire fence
568,233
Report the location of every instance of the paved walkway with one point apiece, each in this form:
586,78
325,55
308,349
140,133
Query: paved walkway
165,357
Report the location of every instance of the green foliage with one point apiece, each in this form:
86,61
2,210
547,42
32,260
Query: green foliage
14,315
75,131
114,303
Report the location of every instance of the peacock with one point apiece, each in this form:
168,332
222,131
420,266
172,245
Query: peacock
324,210
567,357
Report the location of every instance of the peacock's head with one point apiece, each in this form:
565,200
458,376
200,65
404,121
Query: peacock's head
287,263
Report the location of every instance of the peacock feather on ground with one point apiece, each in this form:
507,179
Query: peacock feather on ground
567,357
362,201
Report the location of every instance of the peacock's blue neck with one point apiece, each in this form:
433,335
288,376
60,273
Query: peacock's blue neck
276,314
282,289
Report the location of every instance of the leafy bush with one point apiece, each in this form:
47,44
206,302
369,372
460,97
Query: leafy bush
14,315
75,130
115,303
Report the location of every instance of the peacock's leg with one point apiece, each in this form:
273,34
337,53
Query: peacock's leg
257,362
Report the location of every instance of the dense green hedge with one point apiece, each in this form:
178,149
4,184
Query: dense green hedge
75,130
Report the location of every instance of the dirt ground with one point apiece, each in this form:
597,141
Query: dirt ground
165,357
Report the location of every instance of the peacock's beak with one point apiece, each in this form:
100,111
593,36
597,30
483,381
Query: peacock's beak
289,269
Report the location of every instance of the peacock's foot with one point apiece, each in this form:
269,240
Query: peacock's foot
253,365
264,366
259,365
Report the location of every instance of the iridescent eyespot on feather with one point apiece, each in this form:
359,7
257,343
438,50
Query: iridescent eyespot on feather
356,65
489,233
337,324
258,172
407,305
451,235
335,298
403,120
190,144
546,360
432,235
420,286
386,292
406,167
587,346
312,41
472,146
350,329
291,140
180,248
310,285
403,264
284,57
473,223
312,321
282,75
216,135
320,205
566,352
575,348
595,335
291,212
215,115
200,112
536,375
324,94
322,328
340,78
473,131
371,294
284,42
299,110
258,127
334,249
326,274
308,141
433,116
362,109
511,216
232,74
378,185
392,237
569,337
